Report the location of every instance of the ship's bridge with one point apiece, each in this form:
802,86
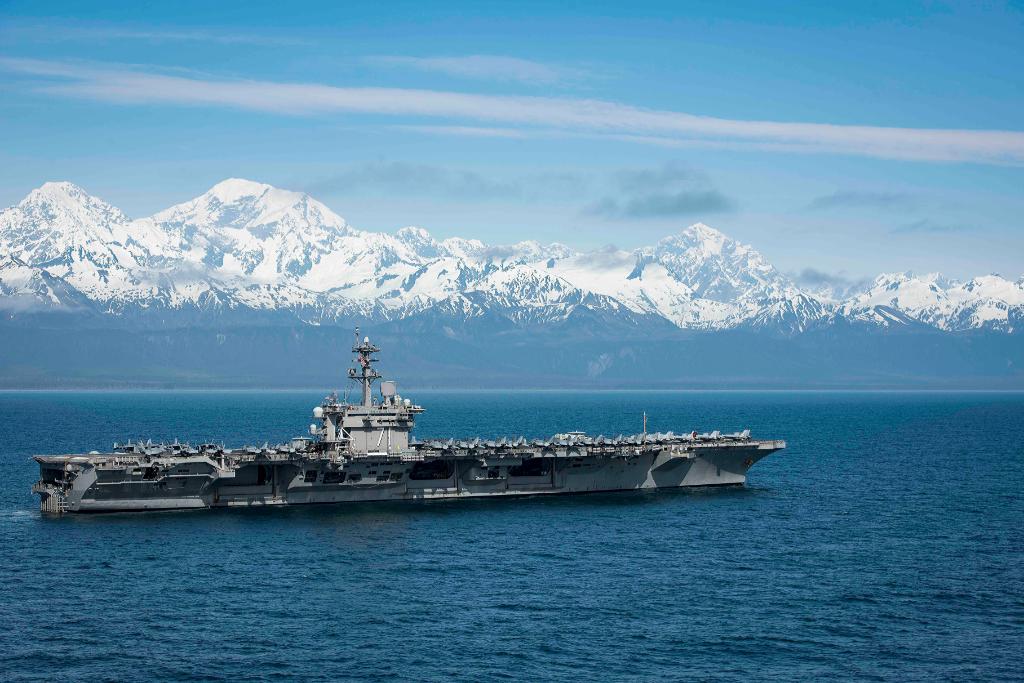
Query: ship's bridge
371,426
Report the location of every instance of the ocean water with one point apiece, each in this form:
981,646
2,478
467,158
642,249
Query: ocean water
884,544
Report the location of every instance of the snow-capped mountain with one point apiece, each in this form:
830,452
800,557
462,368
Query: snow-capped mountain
62,230
989,301
252,232
249,248
697,279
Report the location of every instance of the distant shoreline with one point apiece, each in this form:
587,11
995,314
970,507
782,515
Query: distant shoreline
518,390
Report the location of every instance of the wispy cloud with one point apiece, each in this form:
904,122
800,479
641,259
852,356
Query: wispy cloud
408,178
863,200
403,178
928,226
483,67
571,115
667,191
838,285
661,192
663,205
665,177
62,31
468,131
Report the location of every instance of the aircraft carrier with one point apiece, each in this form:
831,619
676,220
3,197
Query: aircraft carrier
365,452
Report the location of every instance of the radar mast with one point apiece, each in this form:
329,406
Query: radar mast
366,374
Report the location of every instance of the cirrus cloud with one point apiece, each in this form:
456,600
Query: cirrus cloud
123,85
928,226
483,67
855,199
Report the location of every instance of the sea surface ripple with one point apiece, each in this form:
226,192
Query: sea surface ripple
884,544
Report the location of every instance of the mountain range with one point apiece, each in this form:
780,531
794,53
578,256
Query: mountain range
246,255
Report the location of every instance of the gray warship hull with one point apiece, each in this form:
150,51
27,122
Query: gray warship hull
363,452
119,482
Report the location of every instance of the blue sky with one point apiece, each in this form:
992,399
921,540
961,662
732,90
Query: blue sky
850,138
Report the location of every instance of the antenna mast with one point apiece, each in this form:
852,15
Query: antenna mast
366,373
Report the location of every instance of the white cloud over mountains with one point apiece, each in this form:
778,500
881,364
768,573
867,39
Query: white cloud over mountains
668,191
549,115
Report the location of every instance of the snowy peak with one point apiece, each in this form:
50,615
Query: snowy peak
248,246
261,209
57,219
71,199
465,249
245,229
65,207
988,301
236,189
702,238
716,267
419,241
87,243
699,279
520,283
905,290
996,287
527,251
475,252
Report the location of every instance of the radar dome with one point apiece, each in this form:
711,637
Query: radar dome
318,412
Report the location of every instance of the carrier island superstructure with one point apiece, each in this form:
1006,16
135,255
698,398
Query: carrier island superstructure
365,452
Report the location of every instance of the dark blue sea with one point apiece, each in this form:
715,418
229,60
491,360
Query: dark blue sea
886,543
